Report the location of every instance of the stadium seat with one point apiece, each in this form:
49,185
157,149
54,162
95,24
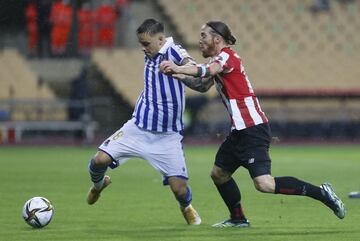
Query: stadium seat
20,85
283,45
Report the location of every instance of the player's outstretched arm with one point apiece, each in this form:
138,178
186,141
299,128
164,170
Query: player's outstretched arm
195,83
201,84
200,70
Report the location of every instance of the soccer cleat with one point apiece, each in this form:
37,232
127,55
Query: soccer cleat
334,201
241,223
94,194
190,215
354,195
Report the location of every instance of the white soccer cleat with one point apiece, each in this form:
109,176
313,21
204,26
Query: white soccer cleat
242,223
354,195
335,202
190,215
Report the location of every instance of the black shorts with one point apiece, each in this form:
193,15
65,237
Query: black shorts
248,148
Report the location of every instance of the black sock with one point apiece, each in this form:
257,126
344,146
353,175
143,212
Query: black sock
294,186
230,193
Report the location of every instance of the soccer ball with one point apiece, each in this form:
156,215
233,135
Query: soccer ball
38,212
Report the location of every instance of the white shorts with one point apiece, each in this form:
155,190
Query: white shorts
163,150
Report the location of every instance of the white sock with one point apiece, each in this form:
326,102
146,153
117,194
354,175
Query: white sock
99,185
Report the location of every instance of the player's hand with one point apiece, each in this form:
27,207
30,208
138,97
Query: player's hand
168,67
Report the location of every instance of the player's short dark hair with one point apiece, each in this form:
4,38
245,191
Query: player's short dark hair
150,26
223,30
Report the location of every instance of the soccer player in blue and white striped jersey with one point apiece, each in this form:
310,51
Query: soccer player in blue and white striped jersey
160,106
154,131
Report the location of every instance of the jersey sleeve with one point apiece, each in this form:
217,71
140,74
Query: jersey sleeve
178,54
225,61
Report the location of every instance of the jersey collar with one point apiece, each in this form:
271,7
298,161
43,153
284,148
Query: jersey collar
168,43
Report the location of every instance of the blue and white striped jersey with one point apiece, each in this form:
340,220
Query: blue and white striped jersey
161,104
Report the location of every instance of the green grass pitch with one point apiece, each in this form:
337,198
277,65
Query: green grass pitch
137,207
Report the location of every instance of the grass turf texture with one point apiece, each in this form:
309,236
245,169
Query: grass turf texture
137,207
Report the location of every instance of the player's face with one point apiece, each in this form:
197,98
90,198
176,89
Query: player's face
206,42
151,44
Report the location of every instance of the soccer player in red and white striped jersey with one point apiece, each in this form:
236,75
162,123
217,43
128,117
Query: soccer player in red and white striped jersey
249,140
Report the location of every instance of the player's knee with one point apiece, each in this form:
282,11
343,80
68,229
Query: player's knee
214,176
218,176
261,186
178,186
101,159
264,184
179,190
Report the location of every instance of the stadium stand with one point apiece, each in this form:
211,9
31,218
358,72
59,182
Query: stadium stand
302,65
305,65
27,104
284,46
285,49
19,82
123,69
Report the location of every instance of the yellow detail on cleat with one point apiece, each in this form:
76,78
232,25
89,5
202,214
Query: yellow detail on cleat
191,216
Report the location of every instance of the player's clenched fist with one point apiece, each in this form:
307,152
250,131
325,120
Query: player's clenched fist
168,67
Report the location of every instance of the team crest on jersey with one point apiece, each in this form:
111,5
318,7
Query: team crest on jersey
106,143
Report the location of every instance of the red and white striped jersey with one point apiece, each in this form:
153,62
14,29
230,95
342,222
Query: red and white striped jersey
236,91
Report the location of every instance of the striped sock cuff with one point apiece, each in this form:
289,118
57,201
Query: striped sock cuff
184,202
96,173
